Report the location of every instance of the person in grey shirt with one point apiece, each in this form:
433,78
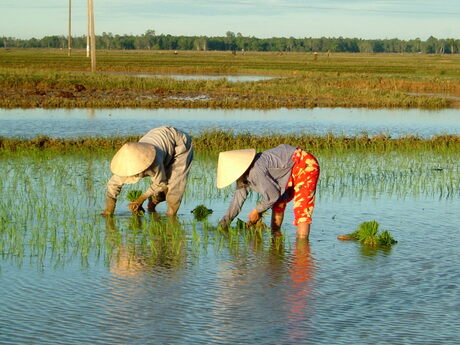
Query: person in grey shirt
165,155
278,175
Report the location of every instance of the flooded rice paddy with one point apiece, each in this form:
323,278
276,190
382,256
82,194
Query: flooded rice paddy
228,77
70,276
106,122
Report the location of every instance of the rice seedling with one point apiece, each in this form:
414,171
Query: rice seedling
242,225
133,195
367,234
213,141
201,212
50,205
385,239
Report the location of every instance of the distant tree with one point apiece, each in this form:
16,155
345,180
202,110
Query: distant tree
232,41
377,47
107,40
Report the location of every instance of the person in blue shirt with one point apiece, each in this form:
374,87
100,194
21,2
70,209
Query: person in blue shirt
279,175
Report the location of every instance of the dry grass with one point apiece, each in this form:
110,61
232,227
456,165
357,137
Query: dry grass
50,79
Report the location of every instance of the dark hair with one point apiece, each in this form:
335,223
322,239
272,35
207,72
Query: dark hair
242,181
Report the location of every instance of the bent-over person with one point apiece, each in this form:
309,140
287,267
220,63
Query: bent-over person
165,155
279,175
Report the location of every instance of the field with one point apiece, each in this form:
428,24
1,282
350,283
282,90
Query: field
70,276
76,270
51,79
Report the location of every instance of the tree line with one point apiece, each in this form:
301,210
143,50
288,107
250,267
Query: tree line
238,42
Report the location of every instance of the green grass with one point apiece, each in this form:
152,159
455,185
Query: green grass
214,141
49,79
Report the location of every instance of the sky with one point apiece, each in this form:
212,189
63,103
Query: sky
368,19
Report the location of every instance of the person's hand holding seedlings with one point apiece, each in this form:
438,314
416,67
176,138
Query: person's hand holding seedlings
254,217
136,207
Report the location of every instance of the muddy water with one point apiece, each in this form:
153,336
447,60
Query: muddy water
106,122
226,289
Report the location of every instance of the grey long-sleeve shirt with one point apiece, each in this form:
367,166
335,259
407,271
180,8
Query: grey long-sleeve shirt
173,151
268,176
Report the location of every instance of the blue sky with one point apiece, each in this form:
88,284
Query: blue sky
261,18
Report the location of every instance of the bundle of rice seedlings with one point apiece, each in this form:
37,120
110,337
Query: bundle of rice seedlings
367,234
242,225
133,195
385,239
201,212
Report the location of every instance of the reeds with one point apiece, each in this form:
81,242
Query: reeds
214,141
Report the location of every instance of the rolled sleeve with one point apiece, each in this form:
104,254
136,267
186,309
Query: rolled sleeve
114,186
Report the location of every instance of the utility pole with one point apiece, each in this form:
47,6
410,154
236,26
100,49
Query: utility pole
69,40
88,33
92,35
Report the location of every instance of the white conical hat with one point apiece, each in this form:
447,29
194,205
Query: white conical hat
232,164
132,159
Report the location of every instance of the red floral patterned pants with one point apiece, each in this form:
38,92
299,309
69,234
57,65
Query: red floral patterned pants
301,187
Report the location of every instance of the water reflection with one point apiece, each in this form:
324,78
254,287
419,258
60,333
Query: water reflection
267,282
369,252
230,78
321,121
300,310
144,246
216,289
91,113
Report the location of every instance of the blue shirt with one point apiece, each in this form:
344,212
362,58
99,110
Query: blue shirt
268,176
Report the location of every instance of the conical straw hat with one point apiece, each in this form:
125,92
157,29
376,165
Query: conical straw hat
132,159
232,164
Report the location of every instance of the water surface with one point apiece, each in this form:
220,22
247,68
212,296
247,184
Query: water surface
230,78
107,122
69,276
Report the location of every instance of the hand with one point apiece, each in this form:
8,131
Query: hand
254,217
136,208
